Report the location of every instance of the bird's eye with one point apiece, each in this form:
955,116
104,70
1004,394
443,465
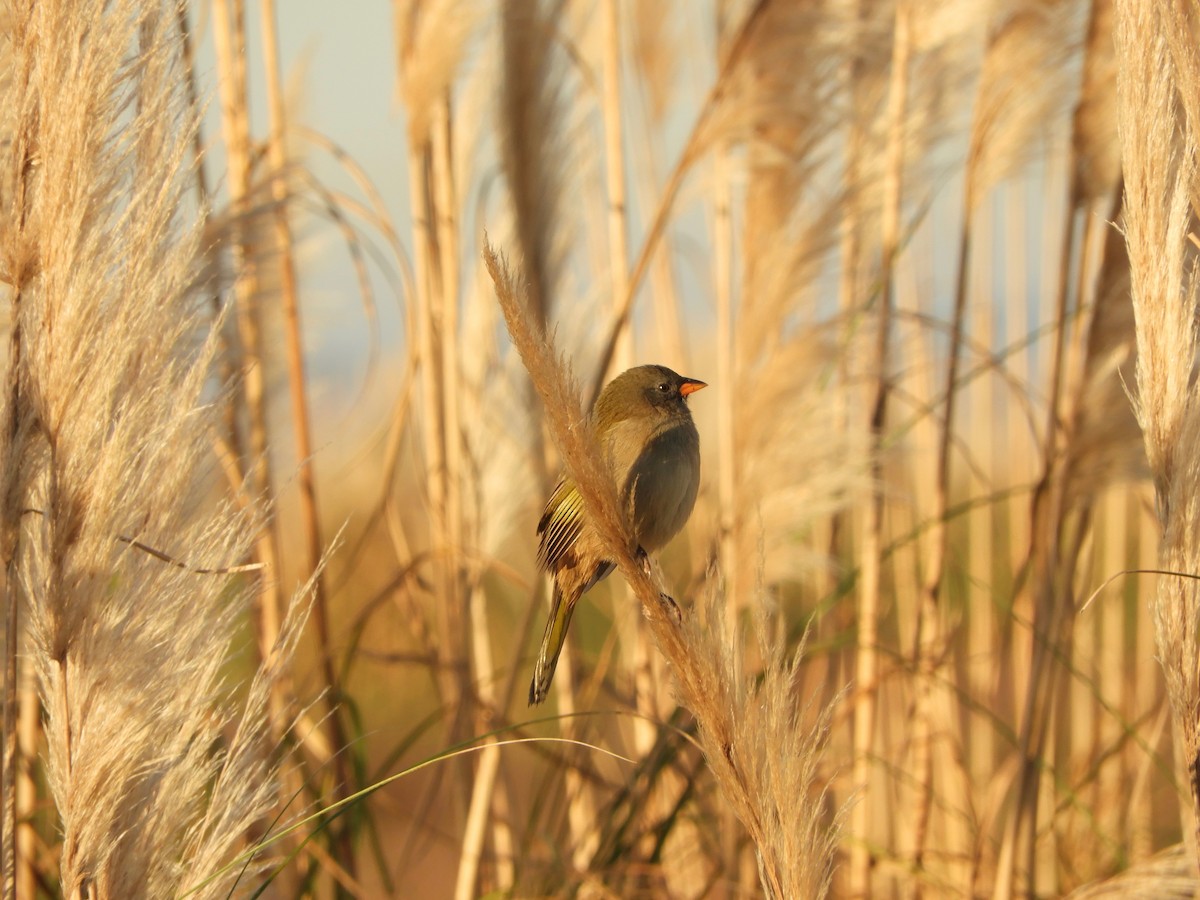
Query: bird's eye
664,387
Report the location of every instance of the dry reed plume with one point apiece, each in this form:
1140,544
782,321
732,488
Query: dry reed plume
1157,89
120,567
883,231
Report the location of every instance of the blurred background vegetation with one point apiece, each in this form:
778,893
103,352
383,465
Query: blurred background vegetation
883,233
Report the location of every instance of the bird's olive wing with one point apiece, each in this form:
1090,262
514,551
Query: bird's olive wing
560,526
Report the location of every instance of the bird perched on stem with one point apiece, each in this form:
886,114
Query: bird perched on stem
645,431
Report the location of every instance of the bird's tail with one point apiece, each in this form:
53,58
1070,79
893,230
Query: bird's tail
552,644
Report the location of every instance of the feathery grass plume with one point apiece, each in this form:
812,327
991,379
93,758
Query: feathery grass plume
1159,153
243,783
776,125
784,101
1181,28
1024,89
499,430
775,755
432,36
781,102
1104,443
786,481
783,105
18,124
743,731
1169,875
942,64
1106,446
6,55
1094,143
791,392
106,381
533,152
655,52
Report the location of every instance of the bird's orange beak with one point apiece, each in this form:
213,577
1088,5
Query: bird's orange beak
690,386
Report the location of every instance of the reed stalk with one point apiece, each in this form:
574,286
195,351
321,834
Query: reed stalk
1147,692
866,666
428,325
655,54
483,789
29,729
614,175
229,43
452,540
850,253
1009,683
8,781
989,443
312,543
726,377
722,240
930,639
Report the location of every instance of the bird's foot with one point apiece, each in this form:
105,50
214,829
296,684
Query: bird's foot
670,607
643,559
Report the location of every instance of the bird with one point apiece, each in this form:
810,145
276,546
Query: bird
650,445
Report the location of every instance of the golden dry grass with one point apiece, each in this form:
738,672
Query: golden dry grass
952,337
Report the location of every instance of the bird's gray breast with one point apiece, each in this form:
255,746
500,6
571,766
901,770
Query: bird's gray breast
660,488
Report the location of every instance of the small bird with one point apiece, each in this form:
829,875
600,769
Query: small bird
645,431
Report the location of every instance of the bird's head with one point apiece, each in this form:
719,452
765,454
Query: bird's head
651,392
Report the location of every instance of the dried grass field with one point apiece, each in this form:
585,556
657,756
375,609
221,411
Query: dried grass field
268,628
